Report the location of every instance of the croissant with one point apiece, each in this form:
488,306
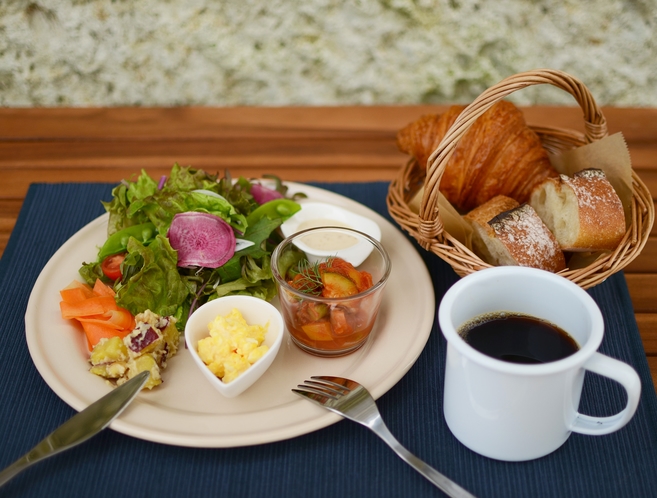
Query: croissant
498,155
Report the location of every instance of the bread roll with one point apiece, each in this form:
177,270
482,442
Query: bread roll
508,234
498,155
583,211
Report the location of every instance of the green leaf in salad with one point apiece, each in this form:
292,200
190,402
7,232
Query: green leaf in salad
153,282
161,208
185,179
145,201
90,272
237,192
259,234
282,189
247,272
256,280
151,278
122,213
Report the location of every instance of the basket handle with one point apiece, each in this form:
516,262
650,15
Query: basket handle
430,225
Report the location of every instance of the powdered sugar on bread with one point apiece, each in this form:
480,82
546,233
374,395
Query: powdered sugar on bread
506,234
527,240
583,211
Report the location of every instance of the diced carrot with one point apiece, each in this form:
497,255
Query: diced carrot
76,292
92,306
97,331
102,289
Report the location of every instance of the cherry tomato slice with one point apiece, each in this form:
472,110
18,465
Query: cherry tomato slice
111,266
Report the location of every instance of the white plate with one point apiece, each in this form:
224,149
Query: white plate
185,410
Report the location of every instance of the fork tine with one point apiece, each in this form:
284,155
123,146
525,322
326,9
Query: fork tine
315,396
340,382
336,383
334,389
318,391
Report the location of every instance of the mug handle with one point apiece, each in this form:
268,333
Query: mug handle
628,378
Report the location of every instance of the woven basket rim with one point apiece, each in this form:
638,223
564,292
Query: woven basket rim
427,227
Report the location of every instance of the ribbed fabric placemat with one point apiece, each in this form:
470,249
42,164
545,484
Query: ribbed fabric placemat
344,459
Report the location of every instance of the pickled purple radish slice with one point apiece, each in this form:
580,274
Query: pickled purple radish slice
201,239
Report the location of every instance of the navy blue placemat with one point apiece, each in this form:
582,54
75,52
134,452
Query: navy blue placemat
344,459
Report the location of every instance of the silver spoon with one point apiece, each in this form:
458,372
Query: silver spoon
80,427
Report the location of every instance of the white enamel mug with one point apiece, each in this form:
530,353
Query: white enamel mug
515,412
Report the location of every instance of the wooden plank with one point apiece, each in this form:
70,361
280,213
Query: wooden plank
646,262
643,157
637,124
652,363
649,176
349,167
9,209
647,323
131,123
52,153
643,291
16,182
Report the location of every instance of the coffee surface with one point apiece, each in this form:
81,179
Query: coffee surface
518,338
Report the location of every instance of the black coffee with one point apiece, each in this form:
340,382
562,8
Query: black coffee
518,338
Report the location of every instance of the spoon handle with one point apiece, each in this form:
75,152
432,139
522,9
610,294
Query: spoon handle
80,427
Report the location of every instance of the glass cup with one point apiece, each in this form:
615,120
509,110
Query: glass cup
330,284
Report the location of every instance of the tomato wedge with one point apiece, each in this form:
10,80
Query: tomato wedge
111,266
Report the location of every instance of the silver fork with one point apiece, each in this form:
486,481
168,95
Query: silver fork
351,400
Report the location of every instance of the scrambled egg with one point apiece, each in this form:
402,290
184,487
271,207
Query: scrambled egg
233,345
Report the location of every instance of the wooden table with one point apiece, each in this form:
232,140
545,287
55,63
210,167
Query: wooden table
300,144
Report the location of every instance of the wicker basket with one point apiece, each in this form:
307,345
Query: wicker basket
427,227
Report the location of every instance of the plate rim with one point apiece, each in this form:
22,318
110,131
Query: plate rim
320,418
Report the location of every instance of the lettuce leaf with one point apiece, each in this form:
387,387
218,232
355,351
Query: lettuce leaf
127,200
258,234
256,278
162,207
141,201
151,280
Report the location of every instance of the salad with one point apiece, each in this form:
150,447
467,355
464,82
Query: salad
188,238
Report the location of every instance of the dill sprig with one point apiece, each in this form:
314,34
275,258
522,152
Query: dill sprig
307,277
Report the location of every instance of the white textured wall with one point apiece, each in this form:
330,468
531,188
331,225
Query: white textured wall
319,52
